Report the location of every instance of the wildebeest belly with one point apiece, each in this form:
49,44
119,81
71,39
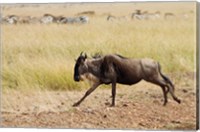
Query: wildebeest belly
128,73
128,81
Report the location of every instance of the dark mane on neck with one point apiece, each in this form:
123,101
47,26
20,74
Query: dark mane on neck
121,56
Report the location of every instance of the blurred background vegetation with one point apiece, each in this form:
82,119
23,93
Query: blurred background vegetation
39,56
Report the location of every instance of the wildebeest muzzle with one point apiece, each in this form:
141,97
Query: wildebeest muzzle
77,78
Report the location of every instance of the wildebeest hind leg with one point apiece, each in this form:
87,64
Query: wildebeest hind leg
171,90
165,95
163,83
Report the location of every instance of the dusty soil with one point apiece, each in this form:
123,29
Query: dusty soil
137,107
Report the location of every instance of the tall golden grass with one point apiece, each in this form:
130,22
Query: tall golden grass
42,56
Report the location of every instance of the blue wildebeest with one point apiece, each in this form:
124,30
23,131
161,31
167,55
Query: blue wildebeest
113,69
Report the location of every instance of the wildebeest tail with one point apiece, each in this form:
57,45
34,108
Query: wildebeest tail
165,77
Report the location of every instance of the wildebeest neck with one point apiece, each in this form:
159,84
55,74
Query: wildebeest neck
94,66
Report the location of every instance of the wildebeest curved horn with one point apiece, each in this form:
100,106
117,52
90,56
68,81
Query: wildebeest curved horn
81,53
85,55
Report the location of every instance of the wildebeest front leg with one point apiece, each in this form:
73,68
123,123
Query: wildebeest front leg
113,93
94,86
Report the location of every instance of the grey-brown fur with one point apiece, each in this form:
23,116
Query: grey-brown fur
113,69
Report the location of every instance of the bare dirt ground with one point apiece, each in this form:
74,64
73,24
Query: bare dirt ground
137,107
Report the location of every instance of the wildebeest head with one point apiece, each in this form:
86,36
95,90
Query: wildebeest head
80,67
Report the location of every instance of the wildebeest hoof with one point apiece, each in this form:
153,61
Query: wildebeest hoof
107,103
112,105
164,104
179,101
75,104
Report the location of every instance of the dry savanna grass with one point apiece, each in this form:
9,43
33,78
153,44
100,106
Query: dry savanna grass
37,56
